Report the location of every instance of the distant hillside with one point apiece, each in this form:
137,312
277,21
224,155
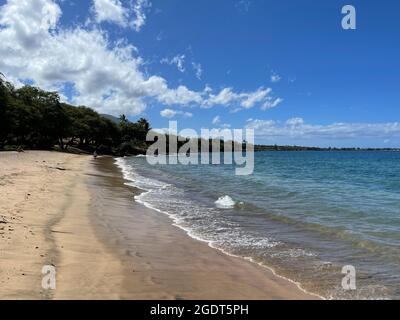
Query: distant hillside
111,118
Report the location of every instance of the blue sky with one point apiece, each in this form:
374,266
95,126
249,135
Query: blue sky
285,68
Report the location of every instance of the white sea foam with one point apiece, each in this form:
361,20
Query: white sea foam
136,180
225,202
225,236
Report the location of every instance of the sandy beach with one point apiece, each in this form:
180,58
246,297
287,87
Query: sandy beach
76,214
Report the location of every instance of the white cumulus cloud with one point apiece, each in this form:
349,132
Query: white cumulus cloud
170,113
139,9
115,12
111,11
244,100
271,103
250,99
107,76
297,128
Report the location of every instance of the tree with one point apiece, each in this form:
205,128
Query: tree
45,119
123,118
4,105
90,128
34,118
143,128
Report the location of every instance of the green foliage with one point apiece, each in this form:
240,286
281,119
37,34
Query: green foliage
34,118
5,90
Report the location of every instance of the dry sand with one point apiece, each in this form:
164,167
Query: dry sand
76,213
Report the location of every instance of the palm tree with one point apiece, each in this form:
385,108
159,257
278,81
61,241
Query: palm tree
123,118
144,125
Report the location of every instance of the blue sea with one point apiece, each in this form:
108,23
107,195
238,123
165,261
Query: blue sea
305,215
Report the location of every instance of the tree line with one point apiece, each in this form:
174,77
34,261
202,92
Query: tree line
32,118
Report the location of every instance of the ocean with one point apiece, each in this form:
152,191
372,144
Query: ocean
305,215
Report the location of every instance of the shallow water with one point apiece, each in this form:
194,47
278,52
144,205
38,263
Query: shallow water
306,214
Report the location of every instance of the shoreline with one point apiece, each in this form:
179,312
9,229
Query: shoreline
201,242
209,243
105,245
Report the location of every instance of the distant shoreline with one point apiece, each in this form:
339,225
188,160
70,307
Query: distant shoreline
259,148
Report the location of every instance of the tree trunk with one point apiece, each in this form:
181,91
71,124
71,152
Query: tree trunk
61,143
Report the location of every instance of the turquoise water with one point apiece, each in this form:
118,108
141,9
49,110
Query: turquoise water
305,214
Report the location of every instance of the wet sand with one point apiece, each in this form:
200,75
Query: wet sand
106,246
